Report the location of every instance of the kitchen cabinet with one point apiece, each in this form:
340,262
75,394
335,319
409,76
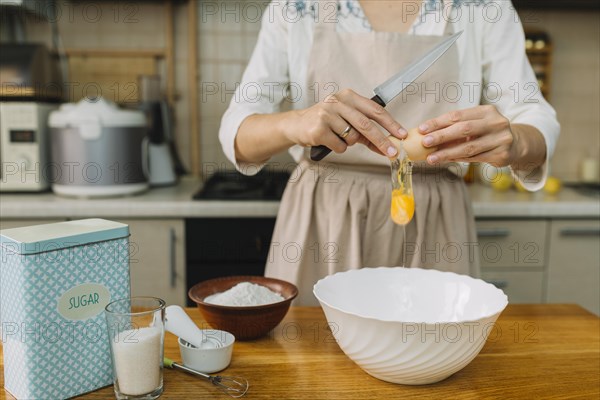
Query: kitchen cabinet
157,259
542,260
512,243
519,286
18,223
513,256
574,263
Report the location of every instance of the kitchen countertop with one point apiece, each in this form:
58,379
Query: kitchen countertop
176,202
535,351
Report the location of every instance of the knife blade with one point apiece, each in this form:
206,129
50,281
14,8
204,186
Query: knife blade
396,84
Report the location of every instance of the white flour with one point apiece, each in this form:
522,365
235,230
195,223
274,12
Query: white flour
245,294
138,357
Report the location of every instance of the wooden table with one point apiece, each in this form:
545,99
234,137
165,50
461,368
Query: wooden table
535,351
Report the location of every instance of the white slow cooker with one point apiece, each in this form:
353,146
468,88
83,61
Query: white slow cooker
98,150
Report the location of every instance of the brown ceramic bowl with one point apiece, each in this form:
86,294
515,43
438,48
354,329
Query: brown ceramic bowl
247,322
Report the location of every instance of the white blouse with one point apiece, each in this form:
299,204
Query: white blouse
494,68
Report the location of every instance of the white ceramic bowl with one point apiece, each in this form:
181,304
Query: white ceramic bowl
211,358
409,325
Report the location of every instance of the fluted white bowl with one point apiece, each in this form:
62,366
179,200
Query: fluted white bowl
409,325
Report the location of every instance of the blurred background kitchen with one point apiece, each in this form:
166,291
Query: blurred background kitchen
177,63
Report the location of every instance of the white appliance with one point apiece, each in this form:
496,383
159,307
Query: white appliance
24,152
101,150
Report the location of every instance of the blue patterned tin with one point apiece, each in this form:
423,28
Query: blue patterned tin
55,281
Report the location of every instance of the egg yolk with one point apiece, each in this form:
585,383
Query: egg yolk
402,208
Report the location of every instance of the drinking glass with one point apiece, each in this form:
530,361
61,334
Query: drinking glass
136,332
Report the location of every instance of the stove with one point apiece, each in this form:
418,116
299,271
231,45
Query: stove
232,185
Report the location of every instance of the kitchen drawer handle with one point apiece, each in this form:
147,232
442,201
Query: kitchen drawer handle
499,284
495,232
172,267
580,232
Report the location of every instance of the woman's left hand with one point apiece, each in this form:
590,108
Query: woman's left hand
478,134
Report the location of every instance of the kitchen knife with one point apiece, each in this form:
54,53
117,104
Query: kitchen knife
391,88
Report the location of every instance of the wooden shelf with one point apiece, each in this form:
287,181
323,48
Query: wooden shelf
545,51
120,52
567,5
116,70
541,59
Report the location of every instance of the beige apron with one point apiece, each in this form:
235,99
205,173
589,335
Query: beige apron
335,215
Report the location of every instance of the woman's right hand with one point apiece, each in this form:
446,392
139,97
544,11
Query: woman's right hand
322,123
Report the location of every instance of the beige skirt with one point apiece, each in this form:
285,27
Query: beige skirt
336,217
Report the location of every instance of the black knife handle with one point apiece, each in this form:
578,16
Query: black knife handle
317,153
378,100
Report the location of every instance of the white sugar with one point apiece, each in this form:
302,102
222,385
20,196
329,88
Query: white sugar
245,294
138,357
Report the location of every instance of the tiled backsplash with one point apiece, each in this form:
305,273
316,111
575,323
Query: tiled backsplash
228,31
575,82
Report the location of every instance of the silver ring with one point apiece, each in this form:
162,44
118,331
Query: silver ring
346,132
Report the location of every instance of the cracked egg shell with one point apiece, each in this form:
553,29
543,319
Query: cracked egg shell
413,145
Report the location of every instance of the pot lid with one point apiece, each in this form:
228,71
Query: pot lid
97,112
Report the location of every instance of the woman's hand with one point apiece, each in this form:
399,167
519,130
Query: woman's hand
483,134
478,134
322,123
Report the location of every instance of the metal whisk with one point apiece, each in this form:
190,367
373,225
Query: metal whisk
232,385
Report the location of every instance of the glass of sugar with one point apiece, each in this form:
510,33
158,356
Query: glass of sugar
136,332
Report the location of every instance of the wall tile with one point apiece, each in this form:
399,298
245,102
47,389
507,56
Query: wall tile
230,16
249,44
209,49
575,82
252,14
208,15
230,47
208,71
230,73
